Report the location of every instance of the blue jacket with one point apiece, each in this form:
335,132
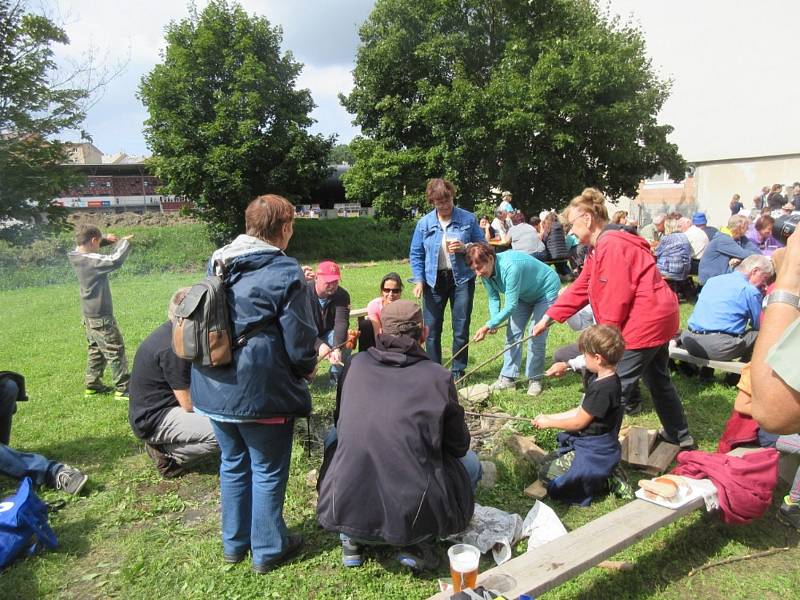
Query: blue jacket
266,376
427,239
719,251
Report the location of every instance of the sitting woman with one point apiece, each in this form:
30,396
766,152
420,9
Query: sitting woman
391,290
620,218
760,233
674,253
530,287
588,449
556,243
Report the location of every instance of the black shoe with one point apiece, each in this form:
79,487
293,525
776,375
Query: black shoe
706,375
688,369
419,557
789,514
633,409
685,443
165,464
233,559
732,379
293,544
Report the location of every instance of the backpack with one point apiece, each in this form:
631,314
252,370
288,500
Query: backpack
202,332
23,524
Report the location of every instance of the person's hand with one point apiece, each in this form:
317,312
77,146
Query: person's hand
540,326
111,238
481,333
323,352
484,224
733,262
540,422
127,237
558,369
335,357
455,247
308,273
418,290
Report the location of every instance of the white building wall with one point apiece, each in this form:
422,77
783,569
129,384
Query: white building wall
716,182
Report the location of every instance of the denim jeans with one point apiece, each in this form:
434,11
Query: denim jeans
336,370
537,346
254,470
460,298
470,460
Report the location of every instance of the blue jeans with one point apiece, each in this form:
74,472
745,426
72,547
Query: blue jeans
470,460
336,370
537,346
460,298
13,463
253,473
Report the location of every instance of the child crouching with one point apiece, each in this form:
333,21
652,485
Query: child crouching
588,449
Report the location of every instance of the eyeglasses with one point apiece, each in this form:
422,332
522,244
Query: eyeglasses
576,218
392,290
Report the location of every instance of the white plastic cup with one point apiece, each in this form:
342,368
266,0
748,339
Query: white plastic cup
464,561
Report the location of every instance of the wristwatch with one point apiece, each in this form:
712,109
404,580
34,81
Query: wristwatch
783,297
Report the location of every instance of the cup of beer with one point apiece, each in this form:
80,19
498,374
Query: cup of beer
464,561
450,241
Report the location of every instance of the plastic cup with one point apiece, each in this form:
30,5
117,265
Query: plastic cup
464,561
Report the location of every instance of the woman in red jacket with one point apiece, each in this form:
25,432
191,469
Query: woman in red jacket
625,289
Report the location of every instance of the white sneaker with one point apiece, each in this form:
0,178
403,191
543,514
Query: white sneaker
503,383
534,388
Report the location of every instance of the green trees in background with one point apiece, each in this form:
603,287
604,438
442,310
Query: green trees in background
541,97
225,120
34,107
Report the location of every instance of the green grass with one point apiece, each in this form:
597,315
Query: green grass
132,535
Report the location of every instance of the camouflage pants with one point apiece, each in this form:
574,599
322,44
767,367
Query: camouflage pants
105,346
553,465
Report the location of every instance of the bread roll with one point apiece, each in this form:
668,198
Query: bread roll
665,488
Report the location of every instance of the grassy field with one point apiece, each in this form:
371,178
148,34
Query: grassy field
133,535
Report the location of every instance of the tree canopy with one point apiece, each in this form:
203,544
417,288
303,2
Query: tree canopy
34,108
540,97
225,120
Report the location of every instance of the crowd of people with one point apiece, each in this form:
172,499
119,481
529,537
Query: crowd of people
397,467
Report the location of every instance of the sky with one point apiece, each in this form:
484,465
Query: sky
732,63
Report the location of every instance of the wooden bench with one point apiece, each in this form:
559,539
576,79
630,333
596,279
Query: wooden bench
357,313
730,366
552,564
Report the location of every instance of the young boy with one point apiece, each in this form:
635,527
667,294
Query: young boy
588,449
105,340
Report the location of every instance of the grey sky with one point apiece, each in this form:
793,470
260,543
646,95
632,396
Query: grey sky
733,64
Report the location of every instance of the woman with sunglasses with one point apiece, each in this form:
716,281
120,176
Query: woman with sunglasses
391,290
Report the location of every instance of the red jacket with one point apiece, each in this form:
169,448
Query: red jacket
624,287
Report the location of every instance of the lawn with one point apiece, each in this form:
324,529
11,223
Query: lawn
133,535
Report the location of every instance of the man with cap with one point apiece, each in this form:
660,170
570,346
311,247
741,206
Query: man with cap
505,203
397,470
330,305
700,221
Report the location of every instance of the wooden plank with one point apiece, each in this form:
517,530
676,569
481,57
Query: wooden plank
661,458
534,573
722,365
638,446
358,312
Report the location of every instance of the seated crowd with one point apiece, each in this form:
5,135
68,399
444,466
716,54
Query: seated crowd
398,470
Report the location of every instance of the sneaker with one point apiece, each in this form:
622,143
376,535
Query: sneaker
419,557
89,392
166,465
121,395
789,513
293,545
70,480
534,388
351,554
503,383
686,443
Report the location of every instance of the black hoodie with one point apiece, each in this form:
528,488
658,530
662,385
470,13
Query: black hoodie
394,476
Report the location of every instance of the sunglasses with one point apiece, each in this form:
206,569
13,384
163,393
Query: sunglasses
392,290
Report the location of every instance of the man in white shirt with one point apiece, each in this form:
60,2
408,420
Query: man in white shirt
698,240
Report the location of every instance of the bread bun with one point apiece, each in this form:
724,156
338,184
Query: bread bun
665,488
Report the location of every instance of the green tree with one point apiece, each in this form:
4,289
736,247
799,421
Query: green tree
541,97
225,120
341,154
33,110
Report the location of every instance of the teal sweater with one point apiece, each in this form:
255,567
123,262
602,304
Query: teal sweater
520,277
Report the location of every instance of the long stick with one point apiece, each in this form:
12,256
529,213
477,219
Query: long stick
465,346
736,558
491,416
499,354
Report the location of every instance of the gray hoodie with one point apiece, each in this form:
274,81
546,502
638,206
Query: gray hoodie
92,270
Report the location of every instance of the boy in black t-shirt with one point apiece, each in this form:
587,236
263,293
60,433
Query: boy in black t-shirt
589,450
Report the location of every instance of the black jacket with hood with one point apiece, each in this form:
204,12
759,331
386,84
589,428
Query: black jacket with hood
394,475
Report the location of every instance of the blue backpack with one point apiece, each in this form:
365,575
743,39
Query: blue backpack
23,525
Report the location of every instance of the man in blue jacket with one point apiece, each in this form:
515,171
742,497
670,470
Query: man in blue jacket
722,248
440,273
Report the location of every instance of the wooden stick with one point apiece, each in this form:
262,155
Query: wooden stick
499,354
491,416
737,558
465,346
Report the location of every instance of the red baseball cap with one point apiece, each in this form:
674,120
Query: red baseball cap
328,271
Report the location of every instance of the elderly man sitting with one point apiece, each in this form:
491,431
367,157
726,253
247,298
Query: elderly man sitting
718,326
653,232
723,248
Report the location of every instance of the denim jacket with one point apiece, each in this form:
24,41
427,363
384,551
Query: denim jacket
427,239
